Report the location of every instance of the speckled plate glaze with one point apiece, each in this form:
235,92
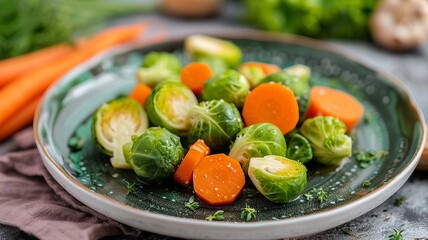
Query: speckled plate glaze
396,126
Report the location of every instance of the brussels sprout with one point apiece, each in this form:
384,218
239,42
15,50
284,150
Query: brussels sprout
229,86
114,123
298,147
158,67
257,140
299,70
299,87
216,122
155,154
198,46
168,106
328,139
279,179
217,65
254,74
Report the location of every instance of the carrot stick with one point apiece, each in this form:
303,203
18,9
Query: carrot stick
21,119
271,103
23,90
266,67
184,173
140,93
218,179
331,102
195,74
12,68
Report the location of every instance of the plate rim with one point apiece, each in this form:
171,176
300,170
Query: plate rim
380,194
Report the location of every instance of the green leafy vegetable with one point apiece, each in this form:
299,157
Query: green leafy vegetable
366,158
113,125
396,235
155,154
328,139
230,86
298,147
217,216
399,201
248,213
279,179
320,18
158,67
257,140
191,204
254,74
216,122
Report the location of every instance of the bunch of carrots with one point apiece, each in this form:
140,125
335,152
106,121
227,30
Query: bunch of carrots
24,79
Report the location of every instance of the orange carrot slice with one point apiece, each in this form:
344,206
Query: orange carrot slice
195,74
331,102
140,93
184,173
266,67
12,68
218,179
271,103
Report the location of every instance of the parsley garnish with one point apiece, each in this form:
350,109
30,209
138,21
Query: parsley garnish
366,183
397,235
248,213
217,216
130,187
191,204
400,200
308,196
365,158
320,194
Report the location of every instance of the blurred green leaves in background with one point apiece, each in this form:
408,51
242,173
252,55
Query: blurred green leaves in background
347,19
28,25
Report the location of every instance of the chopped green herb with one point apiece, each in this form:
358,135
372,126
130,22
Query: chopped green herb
191,204
308,196
366,183
320,194
217,216
397,235
130,187
248,213
399,201
352,234
366,158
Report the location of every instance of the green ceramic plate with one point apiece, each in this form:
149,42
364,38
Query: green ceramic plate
393,123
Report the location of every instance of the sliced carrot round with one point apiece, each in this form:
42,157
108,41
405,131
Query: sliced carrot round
184,173
331,102
218,179
140,93
195,74
271,103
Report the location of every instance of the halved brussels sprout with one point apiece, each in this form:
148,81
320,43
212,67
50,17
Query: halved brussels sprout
299,70
114,123
198,46
169,105
155,154
300,88
217,65
158,67
257,140
216,122
298,147
229,86
279,179
328,139
254,74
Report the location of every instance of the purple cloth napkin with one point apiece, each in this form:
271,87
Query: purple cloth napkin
33,201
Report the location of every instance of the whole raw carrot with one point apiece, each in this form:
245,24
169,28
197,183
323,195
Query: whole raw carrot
12,68
21,119
184,173
218,179
23,90
140,93
271,103
195,74
331,102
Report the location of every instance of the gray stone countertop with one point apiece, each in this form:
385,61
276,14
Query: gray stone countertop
412,216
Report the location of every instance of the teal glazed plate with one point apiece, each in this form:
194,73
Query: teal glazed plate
392,123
